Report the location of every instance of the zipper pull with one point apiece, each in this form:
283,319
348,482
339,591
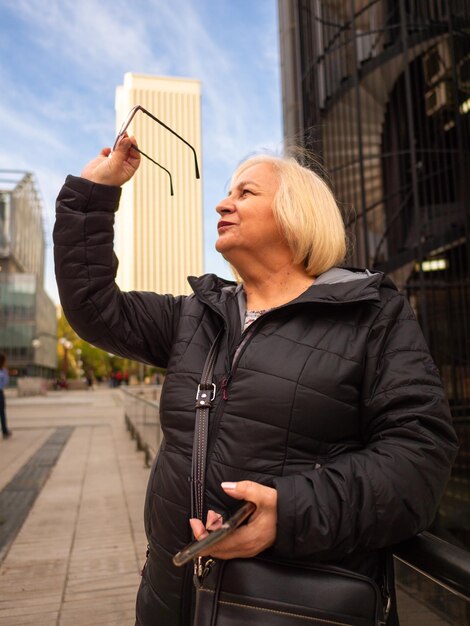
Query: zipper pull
224,384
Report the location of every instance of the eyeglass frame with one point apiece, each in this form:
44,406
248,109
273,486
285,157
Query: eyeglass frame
126,125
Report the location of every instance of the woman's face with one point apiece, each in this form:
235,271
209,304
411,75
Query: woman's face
247,222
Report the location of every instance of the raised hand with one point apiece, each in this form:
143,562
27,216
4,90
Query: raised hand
114,168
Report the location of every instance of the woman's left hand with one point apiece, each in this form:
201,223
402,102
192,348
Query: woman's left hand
114,167
251,538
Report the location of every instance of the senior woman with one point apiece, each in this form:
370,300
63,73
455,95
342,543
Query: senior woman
329,414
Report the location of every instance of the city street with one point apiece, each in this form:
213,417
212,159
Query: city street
77,557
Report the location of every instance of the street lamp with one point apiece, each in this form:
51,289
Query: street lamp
78,352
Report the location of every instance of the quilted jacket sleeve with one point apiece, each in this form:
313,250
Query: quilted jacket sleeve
390,489
135,325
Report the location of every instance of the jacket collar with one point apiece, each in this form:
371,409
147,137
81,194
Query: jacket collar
336,286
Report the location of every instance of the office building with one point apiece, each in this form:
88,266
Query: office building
380,91
27,314
159,237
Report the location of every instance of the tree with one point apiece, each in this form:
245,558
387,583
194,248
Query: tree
83,358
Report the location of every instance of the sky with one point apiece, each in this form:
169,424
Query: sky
61,61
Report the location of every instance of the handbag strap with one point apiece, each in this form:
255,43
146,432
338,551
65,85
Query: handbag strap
205,395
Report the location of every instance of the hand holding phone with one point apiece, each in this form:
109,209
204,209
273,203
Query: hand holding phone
194,549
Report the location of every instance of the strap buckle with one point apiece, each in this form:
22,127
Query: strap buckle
388,606
204,397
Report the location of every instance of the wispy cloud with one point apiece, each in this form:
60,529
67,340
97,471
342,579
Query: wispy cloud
25,131
96,37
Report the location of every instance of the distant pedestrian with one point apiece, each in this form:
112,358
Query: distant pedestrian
4,379
89,379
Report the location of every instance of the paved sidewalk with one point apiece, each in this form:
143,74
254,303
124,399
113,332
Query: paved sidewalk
76,560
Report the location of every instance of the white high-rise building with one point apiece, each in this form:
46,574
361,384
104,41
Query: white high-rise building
159,237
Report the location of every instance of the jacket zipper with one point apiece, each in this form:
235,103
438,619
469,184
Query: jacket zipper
245,340
240,349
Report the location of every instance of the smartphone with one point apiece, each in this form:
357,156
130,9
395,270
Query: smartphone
193,549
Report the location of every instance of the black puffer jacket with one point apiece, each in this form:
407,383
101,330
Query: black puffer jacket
332,399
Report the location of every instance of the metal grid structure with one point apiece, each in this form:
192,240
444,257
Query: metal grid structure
380,91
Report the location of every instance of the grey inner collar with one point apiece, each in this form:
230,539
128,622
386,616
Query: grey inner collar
241,304
340,275
331,277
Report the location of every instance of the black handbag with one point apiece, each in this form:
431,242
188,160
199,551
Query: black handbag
262,591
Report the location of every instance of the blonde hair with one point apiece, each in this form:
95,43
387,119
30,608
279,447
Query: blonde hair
307,213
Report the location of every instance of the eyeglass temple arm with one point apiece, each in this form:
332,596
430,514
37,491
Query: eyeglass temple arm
173,133
160,166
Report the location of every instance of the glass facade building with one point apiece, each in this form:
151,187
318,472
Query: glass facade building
28,319
380,91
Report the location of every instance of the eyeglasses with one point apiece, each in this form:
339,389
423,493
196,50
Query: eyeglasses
125,126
